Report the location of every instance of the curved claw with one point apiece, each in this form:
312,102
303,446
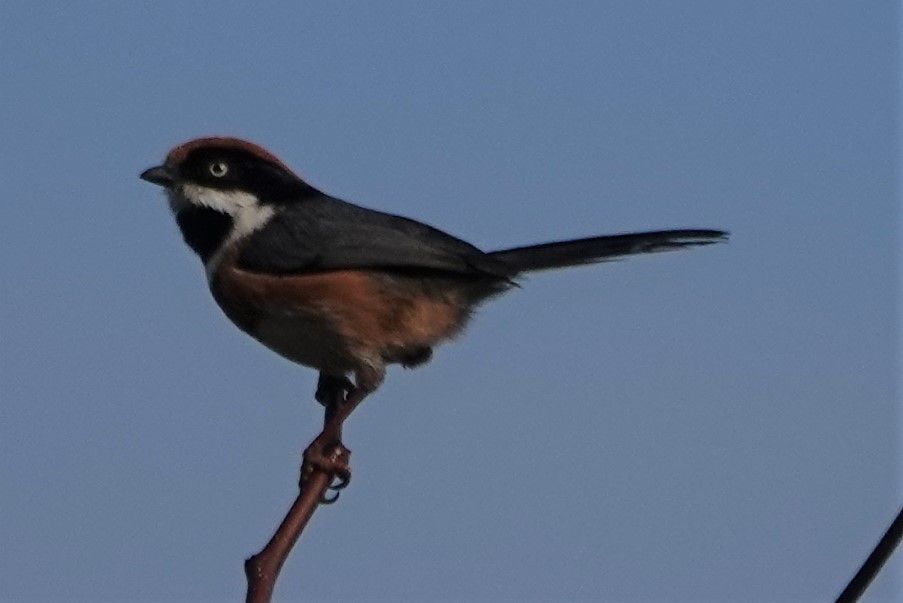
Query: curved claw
328,500
344,478
342,483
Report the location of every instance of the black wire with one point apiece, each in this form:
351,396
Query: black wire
874,563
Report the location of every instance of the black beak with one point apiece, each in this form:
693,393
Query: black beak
157,175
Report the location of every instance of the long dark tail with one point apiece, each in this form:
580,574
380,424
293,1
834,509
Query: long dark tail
599,249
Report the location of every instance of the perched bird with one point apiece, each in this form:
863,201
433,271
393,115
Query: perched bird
341,288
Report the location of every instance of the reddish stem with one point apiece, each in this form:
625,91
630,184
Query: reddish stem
262,569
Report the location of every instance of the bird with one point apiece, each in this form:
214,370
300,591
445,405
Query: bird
341,288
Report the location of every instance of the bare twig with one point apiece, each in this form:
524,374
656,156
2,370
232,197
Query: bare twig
263,568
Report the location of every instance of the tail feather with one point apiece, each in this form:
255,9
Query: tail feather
575,252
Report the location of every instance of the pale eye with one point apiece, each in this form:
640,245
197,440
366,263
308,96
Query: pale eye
219,169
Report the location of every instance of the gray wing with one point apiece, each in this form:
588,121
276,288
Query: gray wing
323,233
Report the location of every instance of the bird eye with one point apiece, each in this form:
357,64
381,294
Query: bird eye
218,169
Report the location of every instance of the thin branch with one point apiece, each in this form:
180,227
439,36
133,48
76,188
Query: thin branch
262,569
875,562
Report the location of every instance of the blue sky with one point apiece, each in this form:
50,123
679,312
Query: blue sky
717,424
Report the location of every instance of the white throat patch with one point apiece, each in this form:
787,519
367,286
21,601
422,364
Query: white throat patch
229,202
245,221
247,213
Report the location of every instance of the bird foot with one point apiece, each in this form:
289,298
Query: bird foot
331,459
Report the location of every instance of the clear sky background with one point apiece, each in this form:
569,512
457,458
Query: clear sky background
721,424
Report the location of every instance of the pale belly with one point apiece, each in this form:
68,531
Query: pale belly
306,341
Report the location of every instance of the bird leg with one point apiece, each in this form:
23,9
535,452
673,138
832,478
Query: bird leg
332,389
327,453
